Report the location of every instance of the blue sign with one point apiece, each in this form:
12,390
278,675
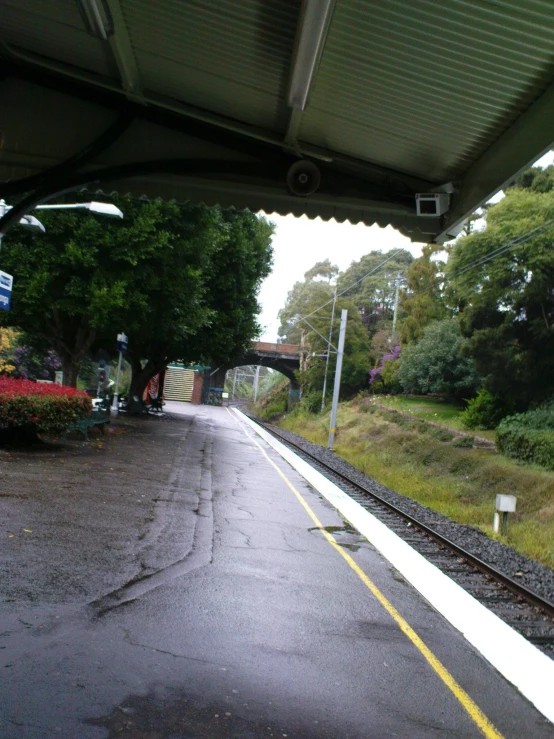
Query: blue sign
122,343
6,284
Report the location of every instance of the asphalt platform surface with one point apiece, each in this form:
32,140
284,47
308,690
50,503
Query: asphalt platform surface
165,582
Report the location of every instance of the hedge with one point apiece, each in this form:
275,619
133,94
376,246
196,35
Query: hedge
529,436
44,407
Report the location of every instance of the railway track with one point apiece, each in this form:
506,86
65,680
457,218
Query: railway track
521,608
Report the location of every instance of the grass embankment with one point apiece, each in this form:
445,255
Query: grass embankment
434,410
416,459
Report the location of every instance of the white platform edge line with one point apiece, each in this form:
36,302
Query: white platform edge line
520,662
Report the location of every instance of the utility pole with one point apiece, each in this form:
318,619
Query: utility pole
396,302
234,381
328,351
338,372
256,381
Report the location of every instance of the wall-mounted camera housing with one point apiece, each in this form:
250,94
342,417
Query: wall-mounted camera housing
432,204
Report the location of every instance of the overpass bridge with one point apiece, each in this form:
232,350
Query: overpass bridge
284,358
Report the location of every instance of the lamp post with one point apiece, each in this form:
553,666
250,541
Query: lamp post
104,209
122,345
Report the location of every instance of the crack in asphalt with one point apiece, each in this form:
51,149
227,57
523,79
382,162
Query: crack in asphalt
127,638
200,554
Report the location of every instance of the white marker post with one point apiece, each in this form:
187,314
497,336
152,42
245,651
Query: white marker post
338,372
504,504
122,344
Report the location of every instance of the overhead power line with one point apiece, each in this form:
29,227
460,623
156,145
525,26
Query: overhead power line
502,249
371,272
518,241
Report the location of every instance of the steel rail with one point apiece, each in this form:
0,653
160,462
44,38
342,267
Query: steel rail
520,590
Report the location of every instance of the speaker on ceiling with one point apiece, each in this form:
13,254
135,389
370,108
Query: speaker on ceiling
303,178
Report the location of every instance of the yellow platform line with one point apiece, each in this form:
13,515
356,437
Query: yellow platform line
473,710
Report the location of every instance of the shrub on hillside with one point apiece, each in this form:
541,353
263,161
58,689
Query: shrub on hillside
436,364
45,408
529,436
311,401
273,403
485,411
441,434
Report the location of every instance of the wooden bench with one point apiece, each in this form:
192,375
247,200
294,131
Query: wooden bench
96,419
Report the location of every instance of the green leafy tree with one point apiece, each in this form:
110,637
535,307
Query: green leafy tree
305,298
87,278
162,275
232,280
436,364
324,269
505,297
536,179
423,300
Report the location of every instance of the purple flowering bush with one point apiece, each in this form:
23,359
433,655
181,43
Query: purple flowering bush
382,377
30,365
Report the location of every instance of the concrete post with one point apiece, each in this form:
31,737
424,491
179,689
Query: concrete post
256,382
338,372
328,352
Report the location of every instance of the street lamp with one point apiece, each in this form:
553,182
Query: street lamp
104,209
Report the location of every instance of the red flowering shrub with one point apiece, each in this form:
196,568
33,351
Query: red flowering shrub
44,407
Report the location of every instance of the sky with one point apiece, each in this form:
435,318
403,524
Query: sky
299,243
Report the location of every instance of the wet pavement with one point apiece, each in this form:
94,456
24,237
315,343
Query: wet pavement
173,586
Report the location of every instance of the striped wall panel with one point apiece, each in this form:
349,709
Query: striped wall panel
178,384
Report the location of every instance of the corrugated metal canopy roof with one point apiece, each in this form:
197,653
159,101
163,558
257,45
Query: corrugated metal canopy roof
194,96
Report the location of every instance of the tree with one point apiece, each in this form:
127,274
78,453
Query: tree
82,278
162,274
232,280
536,179
506,302
436,364
324,269
374,295
305,298
423,300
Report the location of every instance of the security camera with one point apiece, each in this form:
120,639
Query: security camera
432,204
303,178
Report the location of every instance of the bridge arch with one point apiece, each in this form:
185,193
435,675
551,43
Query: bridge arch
284,358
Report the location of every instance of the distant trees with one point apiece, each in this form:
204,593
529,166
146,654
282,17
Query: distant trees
374,295
312,299
423,299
